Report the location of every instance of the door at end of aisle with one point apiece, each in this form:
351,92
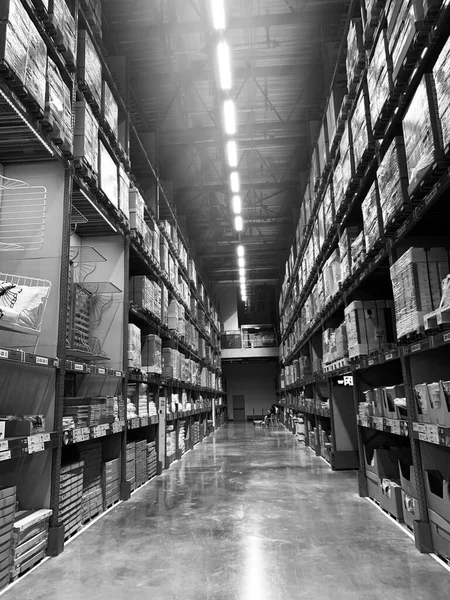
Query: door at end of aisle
239,408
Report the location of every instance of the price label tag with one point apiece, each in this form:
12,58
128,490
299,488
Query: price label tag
388,423
98,433
389,356
144,421
416,348
4,445
118,373
419,427
116,428
5,455
102,371
422,437
378,423
395,427
4,353
33,448
371,362
446,337
78,367
40,360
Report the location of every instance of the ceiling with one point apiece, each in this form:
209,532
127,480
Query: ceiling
283,56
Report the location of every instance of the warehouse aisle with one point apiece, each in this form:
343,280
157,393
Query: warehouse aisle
250,514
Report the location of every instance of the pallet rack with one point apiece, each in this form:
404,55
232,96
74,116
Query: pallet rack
87,240
399,449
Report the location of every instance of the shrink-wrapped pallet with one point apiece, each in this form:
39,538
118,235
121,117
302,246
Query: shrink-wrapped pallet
152,354
124,192
360,129
379,77
136,208
86,136
345,251
392,181
371,213
108,175
370,326
441,73
355,51
134,346
58,103
89,68
110,110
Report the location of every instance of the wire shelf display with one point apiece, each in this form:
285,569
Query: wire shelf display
22,215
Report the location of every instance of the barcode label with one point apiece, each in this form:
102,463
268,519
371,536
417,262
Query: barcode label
4,354
5,455
118,373
40,360
4,445
33,448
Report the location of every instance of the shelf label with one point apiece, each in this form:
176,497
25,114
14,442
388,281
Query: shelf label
38,438
371,362
389,356
78,367
118,373
378,423
5,455
101,371
446,337
98,432
420,427
33,448
4,445
40,360
416,347
4,354
395,427
144,421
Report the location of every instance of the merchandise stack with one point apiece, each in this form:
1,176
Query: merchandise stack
131,464
7,514
141,462
152,354
85,147
169,360
89,68
142,293
370,327
111,481
89,411
441,74
134,347
182,437
152,409
92,500
30,538
142,402
58,106
171,444
70,497
152,460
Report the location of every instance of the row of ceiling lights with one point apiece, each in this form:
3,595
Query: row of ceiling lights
229,121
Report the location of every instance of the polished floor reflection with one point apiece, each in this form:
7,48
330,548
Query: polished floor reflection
250,514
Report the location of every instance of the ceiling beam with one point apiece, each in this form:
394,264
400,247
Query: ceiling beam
245,186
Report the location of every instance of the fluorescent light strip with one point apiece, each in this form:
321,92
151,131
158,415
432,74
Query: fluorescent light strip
242,272
240,251
229,117
241,262
98,210
30,127
232,154
234,182
218,14
237,205
238,223
224,61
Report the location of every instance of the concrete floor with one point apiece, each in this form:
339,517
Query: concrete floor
250,514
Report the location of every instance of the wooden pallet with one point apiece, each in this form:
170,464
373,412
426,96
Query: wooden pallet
20,90
438,319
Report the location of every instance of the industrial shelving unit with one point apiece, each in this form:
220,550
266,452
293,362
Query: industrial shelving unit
364,371
64,360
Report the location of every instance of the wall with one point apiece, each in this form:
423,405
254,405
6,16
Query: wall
256,381
228,311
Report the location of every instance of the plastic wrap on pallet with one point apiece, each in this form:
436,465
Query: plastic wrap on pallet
156,243
124,192
441,73
372,9
319,229
417,285
134,346
320,292
359,128
89,66
403,27
69,32
333,110
392,181
329,346
358,251
152,354
379,77
142,292
332,275
370,326
328,208
345,250
338,185
355,50
110,110
58,101
136,209
108,175
371,213
86,135
418,134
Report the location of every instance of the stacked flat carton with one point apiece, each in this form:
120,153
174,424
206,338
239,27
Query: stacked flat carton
392,181
70,495
92,500
360,128
173,314
346,240
30,539
134,347
370,327
416,282
137,205
89,67
142,408
90,411
23,49
152,460
420,132
58,104
355,52
141,462
168,363
142,292
111,481
441,73
195,432
7,514
131,464
379,77
401,28
86,135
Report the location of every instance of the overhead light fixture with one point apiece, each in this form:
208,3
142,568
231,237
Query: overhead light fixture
224,61
237,205
241,262
234,182
242,272
240,251
218,14
242,280
232,154
229,117
238,223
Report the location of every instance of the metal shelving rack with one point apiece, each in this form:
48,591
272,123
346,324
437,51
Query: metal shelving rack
84,211
413,360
